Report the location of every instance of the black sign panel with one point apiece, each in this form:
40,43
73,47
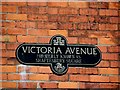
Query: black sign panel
58,54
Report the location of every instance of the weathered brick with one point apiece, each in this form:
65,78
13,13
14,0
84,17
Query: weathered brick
57,4
38,32
114,64
79,78
88,12
72,40
8,69
88,71
78,19
3,76
8,38
65,26
92,85
58,78
3,16
108,12
9,8
26,38
103,48
103,64
9,85
108,27
38,77
43,39
16,16
68,85
16,31
8,24
44,70
109,85
42,10
108,71
87,40
27,85
114,49
22,10
12,46
3,46
114,5
110,56
78,4
31,25
20,24
37,3
68,11
32,10
114,79
97,78
107,41
49,85
114,19
52,10
55,32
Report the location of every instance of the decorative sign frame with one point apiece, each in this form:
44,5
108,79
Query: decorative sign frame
58,55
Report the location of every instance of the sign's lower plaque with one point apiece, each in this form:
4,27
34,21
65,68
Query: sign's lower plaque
58,54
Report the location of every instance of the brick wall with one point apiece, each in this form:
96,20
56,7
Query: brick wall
80,22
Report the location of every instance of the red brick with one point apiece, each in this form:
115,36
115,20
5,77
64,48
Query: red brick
37,3
44,70
92,85
22,10
3,46
114,5
103,64
114,19
42,18
9,8
72,70
47,25
84,78
16,3
39,77
3,53
12,61
87,40
88,71
23,68
27,85
49,85
3,61
78,19
43,39
3,76
20,24
31,25
32,10
114,64
58,78
65,26
8,24
114,49
109,85
16,16
72,40
33,17
12,46
78,4
114,78
81,33
55,32
68,11
3,16
27,39
108,71
103,48
8,38
107,41
13,76
110,56
82,85
38,32
88,12
9,85
108,12
42,10
68,85
57,4
108,27
16,31
8,68
96,78
11,54
52,10
31,69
